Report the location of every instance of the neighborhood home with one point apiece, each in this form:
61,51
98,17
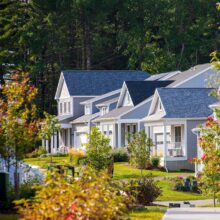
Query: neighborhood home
198,133
111,101
93,108
173,113
117,123
77,86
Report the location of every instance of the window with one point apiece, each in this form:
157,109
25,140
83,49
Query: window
160,106
103,110
61,108
69,107
64,107
178,134
87,110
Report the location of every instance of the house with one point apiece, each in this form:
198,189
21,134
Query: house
198,133
119,121
172,115
78,90
93,108
77,86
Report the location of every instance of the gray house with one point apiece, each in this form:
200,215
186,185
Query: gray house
77,86
117,121
93,108
172,115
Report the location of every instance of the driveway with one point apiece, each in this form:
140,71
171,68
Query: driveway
192,214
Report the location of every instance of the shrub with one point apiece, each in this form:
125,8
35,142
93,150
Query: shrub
155,162
139,149
120,155
91,197
185,184
41,150
76,155
145,189
98,150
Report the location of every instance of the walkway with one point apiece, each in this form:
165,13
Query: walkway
192,214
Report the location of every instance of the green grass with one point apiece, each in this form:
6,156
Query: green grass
125,171
171,195
8,217
148,212
45,161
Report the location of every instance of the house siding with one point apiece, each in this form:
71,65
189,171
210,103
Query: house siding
191,138
179,165
78,109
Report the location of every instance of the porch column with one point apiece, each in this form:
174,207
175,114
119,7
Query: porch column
68,137
47,145
165,139
138,126
60,139
74,140
52,144
119,134
165,145
114,136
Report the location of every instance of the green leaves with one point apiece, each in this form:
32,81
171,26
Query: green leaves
139,149
98,150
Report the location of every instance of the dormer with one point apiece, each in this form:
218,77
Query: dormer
156,105
125,97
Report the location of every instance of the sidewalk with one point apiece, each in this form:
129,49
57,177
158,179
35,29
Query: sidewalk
192,214
193,202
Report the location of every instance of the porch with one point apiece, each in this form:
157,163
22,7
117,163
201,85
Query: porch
170,140
118,132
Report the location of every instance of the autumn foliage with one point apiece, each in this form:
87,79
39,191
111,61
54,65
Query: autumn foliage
91,197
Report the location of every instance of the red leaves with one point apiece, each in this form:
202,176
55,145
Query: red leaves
209,121
204,157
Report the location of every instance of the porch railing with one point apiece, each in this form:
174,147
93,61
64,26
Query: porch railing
175,149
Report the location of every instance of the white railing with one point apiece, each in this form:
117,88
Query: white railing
175,149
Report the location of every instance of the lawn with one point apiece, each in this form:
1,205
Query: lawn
125,171
45,161
148,212
171,195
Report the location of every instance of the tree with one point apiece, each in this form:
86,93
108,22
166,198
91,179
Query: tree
139,149
18,119
49,126
209,143
98,150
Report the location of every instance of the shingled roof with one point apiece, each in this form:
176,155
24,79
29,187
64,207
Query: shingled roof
141,90
186,102
98,82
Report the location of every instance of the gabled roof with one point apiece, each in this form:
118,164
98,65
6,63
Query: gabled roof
98,82
101,97
186,102
85,118
108,102
186,75
114,114
163,76
141,90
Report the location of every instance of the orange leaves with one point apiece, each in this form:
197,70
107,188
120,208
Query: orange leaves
91,197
